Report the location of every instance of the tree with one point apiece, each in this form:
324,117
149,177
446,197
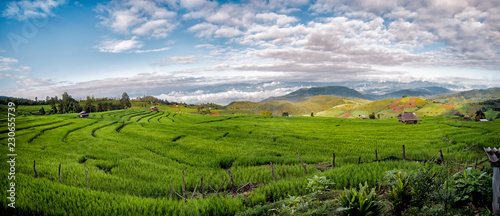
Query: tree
285,114
42,111
372,116
378,115
480,115
125,101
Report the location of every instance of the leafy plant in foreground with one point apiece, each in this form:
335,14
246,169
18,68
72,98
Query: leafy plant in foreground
360,202
319,185
401,192
473,186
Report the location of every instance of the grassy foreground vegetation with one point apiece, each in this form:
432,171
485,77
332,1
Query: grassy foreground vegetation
133,157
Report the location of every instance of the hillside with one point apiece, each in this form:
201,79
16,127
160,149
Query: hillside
278,107
329,106
472,96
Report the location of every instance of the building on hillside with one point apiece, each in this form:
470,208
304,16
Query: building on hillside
408,118
457,113
483,120
466,117
153,108
362,117
83,114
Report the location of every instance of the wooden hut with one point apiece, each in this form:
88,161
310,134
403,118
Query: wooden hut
153,108
408,118
83,114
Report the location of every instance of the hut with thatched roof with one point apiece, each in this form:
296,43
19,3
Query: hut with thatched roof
153,108
83,114
408,118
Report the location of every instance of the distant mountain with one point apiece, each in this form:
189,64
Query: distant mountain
306,93
341,91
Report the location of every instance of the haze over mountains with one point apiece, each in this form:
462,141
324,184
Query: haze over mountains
226,93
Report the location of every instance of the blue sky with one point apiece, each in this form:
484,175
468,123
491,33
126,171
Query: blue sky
179,49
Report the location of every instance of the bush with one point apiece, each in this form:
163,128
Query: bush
401,193
319,185
472,186
359,202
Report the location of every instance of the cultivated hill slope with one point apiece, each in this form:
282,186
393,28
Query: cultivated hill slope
472,96
277,107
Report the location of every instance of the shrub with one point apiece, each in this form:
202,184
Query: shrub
319,185
472,186
360,202
401,193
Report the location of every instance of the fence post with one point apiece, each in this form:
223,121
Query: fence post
305,169
36,172
232,183
272,170
359,160
183,187
86,179
60,173
404,154
475,165
376,155
333,161
171,185
442,158
202,188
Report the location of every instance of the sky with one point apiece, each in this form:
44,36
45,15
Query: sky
200,51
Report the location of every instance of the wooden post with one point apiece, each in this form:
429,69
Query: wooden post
232,183
183,187
171,185
36,172
376,155
86,179
475,165
272,170
359,160
442,158
496,191
404,154
60,173
194,190
333,161
304,165
202,188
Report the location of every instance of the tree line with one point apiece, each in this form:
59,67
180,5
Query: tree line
67,104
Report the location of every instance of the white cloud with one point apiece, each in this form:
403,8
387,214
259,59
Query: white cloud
190,59
25,9
152,50
118,46
11,65
225,97
31,82
138,17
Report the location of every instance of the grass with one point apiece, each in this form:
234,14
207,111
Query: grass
133,156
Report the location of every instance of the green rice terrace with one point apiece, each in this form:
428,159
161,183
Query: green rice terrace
137,161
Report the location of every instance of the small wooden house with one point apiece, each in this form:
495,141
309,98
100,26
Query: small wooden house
83,114
466,117
409,118
153,108
362,117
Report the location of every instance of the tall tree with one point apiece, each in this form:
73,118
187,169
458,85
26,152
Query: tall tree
125,100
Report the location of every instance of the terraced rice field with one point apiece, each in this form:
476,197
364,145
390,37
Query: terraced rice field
133,158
